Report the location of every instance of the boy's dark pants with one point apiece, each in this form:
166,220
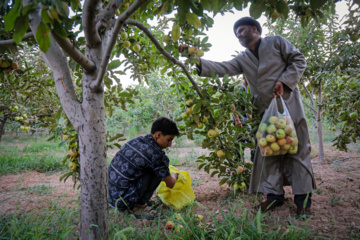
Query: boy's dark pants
149,183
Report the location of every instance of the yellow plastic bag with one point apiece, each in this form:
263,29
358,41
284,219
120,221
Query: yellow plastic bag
181,194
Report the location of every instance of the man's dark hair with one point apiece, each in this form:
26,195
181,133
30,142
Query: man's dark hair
166,126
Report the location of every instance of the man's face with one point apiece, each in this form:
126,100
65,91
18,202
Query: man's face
163,141
245,35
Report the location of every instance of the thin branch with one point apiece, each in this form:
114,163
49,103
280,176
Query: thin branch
12,42
89,23
314,110
170,58
74,53
96,85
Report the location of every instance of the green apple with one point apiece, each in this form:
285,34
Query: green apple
72,166
123,35
353,115
136,47
17,119
200,125
192,50
280,123
273,120
293,150
189,110
288,129
211,133
126,44
184,115
220,154
280,133
166,38
275,147
259,135
270,138
262,142
204,119
217,132
200,53
285,147
295,141
271,128
282,152
262,127
189,103
242,185
236,186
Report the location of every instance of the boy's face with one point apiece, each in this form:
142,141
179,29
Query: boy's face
163,141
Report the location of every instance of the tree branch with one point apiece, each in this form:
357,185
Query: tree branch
313,109
96,85
57,61
108,12
12,42
170,58
89,23
74,53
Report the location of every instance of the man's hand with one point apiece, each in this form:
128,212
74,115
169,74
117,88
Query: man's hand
279,89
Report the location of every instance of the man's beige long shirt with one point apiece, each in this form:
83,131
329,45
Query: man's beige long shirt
280,61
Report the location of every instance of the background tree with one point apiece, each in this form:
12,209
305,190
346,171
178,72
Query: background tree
92,57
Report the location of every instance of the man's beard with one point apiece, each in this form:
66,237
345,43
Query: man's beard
246,40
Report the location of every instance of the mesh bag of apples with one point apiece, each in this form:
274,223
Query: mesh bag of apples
276,134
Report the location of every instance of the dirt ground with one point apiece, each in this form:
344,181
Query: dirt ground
336,201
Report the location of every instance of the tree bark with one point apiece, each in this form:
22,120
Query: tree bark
2,126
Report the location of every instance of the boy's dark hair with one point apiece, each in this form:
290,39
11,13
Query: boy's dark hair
166,126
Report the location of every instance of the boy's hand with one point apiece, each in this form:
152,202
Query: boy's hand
175,175
171,180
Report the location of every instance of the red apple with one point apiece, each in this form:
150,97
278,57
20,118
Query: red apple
289,140
170,225
266,151
281,142
288,120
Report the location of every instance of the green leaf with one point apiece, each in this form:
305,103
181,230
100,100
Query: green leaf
42,36
193,19
21,26
316,4
59,30
13,14
175,32
222,181
238,5
256,9
45,17
114,64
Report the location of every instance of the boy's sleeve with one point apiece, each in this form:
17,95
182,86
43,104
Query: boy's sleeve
161,167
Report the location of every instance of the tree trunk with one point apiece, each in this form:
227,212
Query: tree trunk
320,135
2,126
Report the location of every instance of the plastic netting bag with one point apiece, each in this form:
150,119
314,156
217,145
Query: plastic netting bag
276,134
181,194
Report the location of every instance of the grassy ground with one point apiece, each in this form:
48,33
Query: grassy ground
25,154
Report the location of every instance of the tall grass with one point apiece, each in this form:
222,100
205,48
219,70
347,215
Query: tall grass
41,156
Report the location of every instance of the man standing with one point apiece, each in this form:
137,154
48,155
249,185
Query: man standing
272,65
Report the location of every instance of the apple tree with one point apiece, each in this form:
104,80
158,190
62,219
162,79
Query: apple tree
85,46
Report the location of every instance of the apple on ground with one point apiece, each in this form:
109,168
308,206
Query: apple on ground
280,133
266,151
271,128
262,142
178,228
170,225
199,217
275,147
293,150
270,138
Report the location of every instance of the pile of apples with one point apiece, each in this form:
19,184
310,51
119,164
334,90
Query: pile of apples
277,136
